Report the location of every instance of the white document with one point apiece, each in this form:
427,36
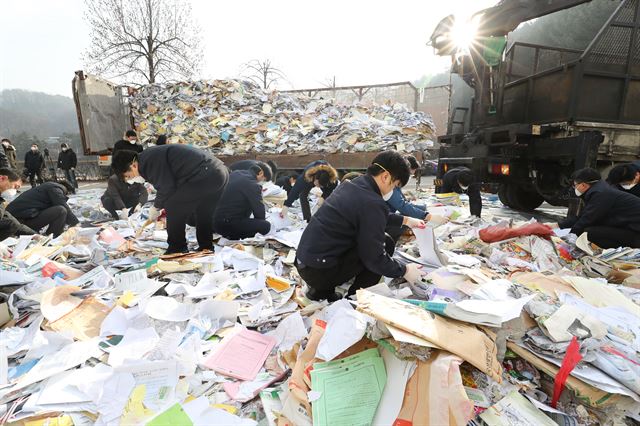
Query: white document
160,379
68,357
277,222
4,365
23,243
135,344
402,336
398,373
289,331
505,309
165,308
429,253
96,278
568,321
601,294
202,414
132,280
14,278
62,388
253,284
345,328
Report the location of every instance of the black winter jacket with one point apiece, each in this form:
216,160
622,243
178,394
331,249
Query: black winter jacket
33,161
450,184
241,198
355,216
67,160
30,203
123,194
168,167
605,206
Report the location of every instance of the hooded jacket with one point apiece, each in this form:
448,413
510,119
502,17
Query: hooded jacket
30,203
355,216
605,206
304,183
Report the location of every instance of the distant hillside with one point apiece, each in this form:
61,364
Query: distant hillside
36,114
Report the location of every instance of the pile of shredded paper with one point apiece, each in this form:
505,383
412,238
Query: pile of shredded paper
536,327
237,117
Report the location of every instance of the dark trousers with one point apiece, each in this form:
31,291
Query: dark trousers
323,281
55,217
607,237
304,204
70,175
32,177
110,206
237,229
201,198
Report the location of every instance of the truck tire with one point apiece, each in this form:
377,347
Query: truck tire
503,194
522,199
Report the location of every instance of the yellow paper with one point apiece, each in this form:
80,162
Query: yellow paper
64,420
135,412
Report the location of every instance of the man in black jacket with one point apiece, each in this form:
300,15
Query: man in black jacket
67,161
9,225
242,197
346,238
45,205
269,168
187,180
461,180
124,196
611,218
286,182
128,143
319,174
34,164
626,177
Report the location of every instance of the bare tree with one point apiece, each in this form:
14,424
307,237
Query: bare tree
142,40
263,73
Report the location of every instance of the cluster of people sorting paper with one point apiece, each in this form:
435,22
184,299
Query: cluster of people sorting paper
192,293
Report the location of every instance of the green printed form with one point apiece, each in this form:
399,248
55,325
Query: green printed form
350,389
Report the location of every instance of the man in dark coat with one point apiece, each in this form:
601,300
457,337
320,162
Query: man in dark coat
33,165
9,225
611,218
242,198
45,205
461,181
346,238
124,196
319,174
187,180
269,168
129,143
67,161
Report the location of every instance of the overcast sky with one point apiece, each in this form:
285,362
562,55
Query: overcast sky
358,42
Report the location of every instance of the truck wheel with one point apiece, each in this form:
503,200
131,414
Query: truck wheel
522,199
503,194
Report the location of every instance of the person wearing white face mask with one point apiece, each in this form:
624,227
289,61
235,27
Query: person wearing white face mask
610,218
123,197
9,225
34,165
129,143
67,161
461,181
346,237
626,177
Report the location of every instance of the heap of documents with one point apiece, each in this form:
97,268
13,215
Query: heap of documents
98,327
237,117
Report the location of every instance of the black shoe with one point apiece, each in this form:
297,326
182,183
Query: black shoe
176,251
313,294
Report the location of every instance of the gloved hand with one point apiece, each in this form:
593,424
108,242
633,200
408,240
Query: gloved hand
154,213
284,211
414,223
413,273
437,219
123,214
5,252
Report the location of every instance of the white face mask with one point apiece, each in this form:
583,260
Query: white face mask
5,144
464,188
578,192
629,186
64,149
8,194
133,142
137,179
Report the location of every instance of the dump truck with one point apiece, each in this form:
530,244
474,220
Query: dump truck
103,115
539,113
